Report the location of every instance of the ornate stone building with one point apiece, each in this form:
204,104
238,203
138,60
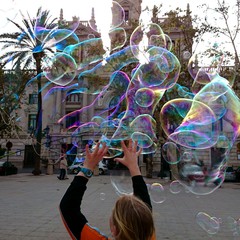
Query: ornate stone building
59,103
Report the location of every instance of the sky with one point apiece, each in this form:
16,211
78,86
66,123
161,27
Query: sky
74,7
82,9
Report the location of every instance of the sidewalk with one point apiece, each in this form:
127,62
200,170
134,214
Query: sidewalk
29,208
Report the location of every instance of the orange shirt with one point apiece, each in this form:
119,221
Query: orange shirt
89,232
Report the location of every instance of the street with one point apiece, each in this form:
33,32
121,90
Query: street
29,209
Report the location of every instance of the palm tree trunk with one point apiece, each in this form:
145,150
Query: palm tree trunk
37,165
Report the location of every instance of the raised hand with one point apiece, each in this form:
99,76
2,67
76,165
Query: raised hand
130,159
93,158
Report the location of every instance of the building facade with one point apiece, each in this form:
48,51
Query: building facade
67,101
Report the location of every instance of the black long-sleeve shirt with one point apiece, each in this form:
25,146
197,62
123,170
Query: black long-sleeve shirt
75,222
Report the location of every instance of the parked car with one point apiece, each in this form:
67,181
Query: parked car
102,167
192,173
7,168
230,174
74,168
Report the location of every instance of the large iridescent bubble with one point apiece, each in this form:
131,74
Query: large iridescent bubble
60,69
142,37
202,132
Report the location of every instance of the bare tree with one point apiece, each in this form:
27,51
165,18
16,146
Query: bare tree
223,22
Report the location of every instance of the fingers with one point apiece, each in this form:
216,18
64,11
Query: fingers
87,149
139,152
124,147
100,151
97,147
103,149
118,159
135,146
130,144
95,151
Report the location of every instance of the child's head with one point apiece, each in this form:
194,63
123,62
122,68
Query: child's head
131,219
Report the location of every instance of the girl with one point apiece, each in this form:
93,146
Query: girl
131,217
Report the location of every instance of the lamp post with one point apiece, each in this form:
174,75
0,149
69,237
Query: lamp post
8,146
48,137
161,174
48,145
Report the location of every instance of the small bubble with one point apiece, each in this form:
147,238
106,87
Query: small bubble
102,196
175,187
157,193
207,223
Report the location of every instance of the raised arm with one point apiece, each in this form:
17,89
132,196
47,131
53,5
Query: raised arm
70,209
130,160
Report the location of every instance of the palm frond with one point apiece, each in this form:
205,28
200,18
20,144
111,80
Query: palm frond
9,35
29,63
16,24
7,45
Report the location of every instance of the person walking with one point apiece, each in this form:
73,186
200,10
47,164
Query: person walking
63,167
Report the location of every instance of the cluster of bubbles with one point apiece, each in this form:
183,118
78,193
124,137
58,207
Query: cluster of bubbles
197,121
208,122
140,92
234,226
212,225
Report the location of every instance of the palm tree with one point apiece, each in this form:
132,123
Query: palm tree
26,48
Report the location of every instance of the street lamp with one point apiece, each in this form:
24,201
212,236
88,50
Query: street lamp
48,145
8,146
47,129
48,137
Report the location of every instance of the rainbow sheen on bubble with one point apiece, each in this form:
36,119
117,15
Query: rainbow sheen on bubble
209,224
121,182
61,69
157,193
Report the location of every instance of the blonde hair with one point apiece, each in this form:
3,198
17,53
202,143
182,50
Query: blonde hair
132,219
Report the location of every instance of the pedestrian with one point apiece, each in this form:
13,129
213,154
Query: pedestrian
131,217
66,174
63,167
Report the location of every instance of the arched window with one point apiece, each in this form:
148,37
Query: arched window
73,97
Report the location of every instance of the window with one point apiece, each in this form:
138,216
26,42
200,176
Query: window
73,97
33,98
32,122
126,12
72,120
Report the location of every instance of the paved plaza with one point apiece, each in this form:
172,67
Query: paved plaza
29,208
